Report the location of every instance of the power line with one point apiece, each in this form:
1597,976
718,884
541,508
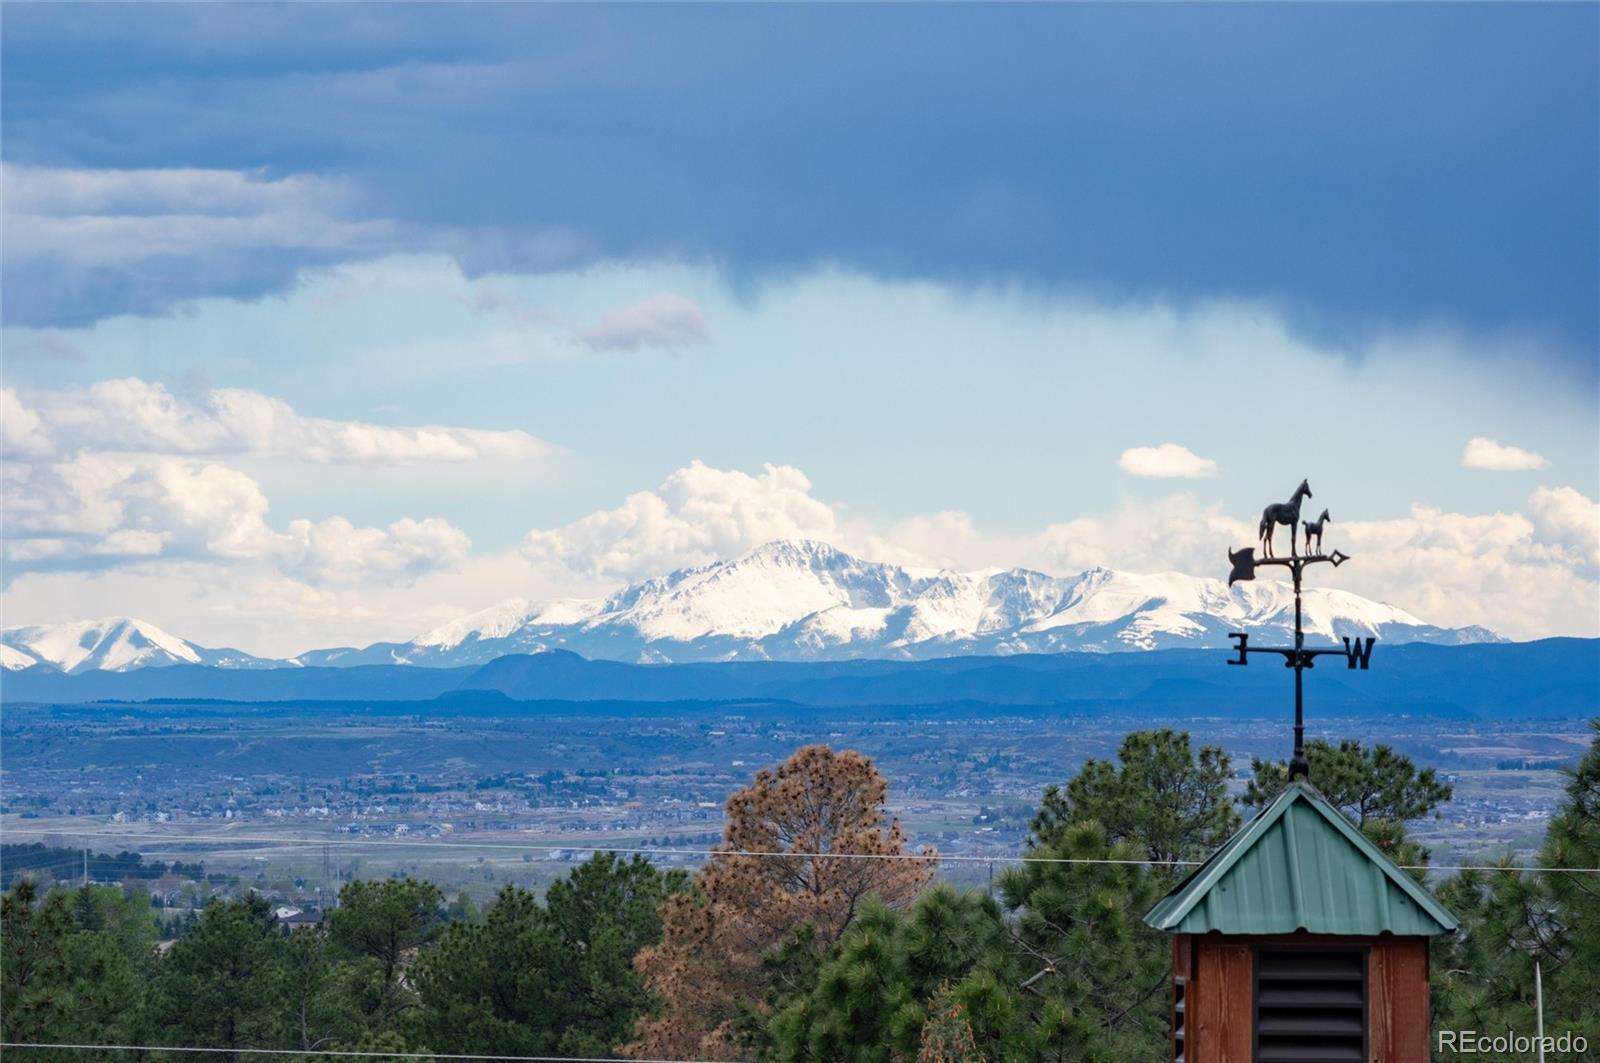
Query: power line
300,843
225,842
345,1053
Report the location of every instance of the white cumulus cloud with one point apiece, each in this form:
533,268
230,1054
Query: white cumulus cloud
698,515
125,506
95,504
22,431
1522,575
336,551
1564,517
124,472
1484,453
1169,461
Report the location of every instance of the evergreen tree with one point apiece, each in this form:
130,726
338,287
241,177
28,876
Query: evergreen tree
216,986
947,1035
127,920
1366,783
1162,796
604,914
100,998
874,998
33,933
64,984
1094,973
325,998
1573,841
557,979
462,909
1512,919
387,921
86,913
488,986
731,949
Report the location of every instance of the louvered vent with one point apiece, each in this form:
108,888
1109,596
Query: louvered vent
1178,1053
1311,1006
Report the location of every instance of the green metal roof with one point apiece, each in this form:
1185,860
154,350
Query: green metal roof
1300,865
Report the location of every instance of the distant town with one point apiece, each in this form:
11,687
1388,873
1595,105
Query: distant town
291,803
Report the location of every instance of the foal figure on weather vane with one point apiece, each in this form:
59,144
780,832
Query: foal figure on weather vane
1314,530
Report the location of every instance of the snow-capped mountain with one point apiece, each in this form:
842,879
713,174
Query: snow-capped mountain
799,600
118,644
510,626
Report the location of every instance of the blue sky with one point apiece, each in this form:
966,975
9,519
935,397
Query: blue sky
953,260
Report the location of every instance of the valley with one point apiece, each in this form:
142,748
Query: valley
288,798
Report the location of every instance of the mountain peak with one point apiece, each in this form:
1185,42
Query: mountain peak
496,621
801,599
112,644
792,551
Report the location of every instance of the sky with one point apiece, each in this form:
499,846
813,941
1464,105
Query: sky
324,324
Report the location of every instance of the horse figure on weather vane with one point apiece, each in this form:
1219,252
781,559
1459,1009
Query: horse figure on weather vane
1357,651
1283,513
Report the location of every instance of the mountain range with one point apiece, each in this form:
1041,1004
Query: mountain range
1551,678
119,644
797,600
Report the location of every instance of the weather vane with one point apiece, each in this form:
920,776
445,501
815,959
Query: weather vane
1357,652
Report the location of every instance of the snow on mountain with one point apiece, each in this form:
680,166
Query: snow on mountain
114,645
504,619
1153,609
495,622
13,659
801,600
515,625
118,644
755,596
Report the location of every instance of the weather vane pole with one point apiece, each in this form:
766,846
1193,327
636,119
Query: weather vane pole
1357,652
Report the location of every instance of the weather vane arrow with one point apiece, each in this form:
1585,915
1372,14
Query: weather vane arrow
1357,651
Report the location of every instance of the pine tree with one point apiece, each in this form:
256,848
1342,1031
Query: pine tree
215,987
325,998
1163,796
874,998
1513,918
947,1035
532,979
1094,972
387,921
33,933
746,939
1573,841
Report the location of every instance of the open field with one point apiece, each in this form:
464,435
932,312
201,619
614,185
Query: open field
297,803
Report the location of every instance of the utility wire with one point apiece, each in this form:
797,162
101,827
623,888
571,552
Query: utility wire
227,842
346,1053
